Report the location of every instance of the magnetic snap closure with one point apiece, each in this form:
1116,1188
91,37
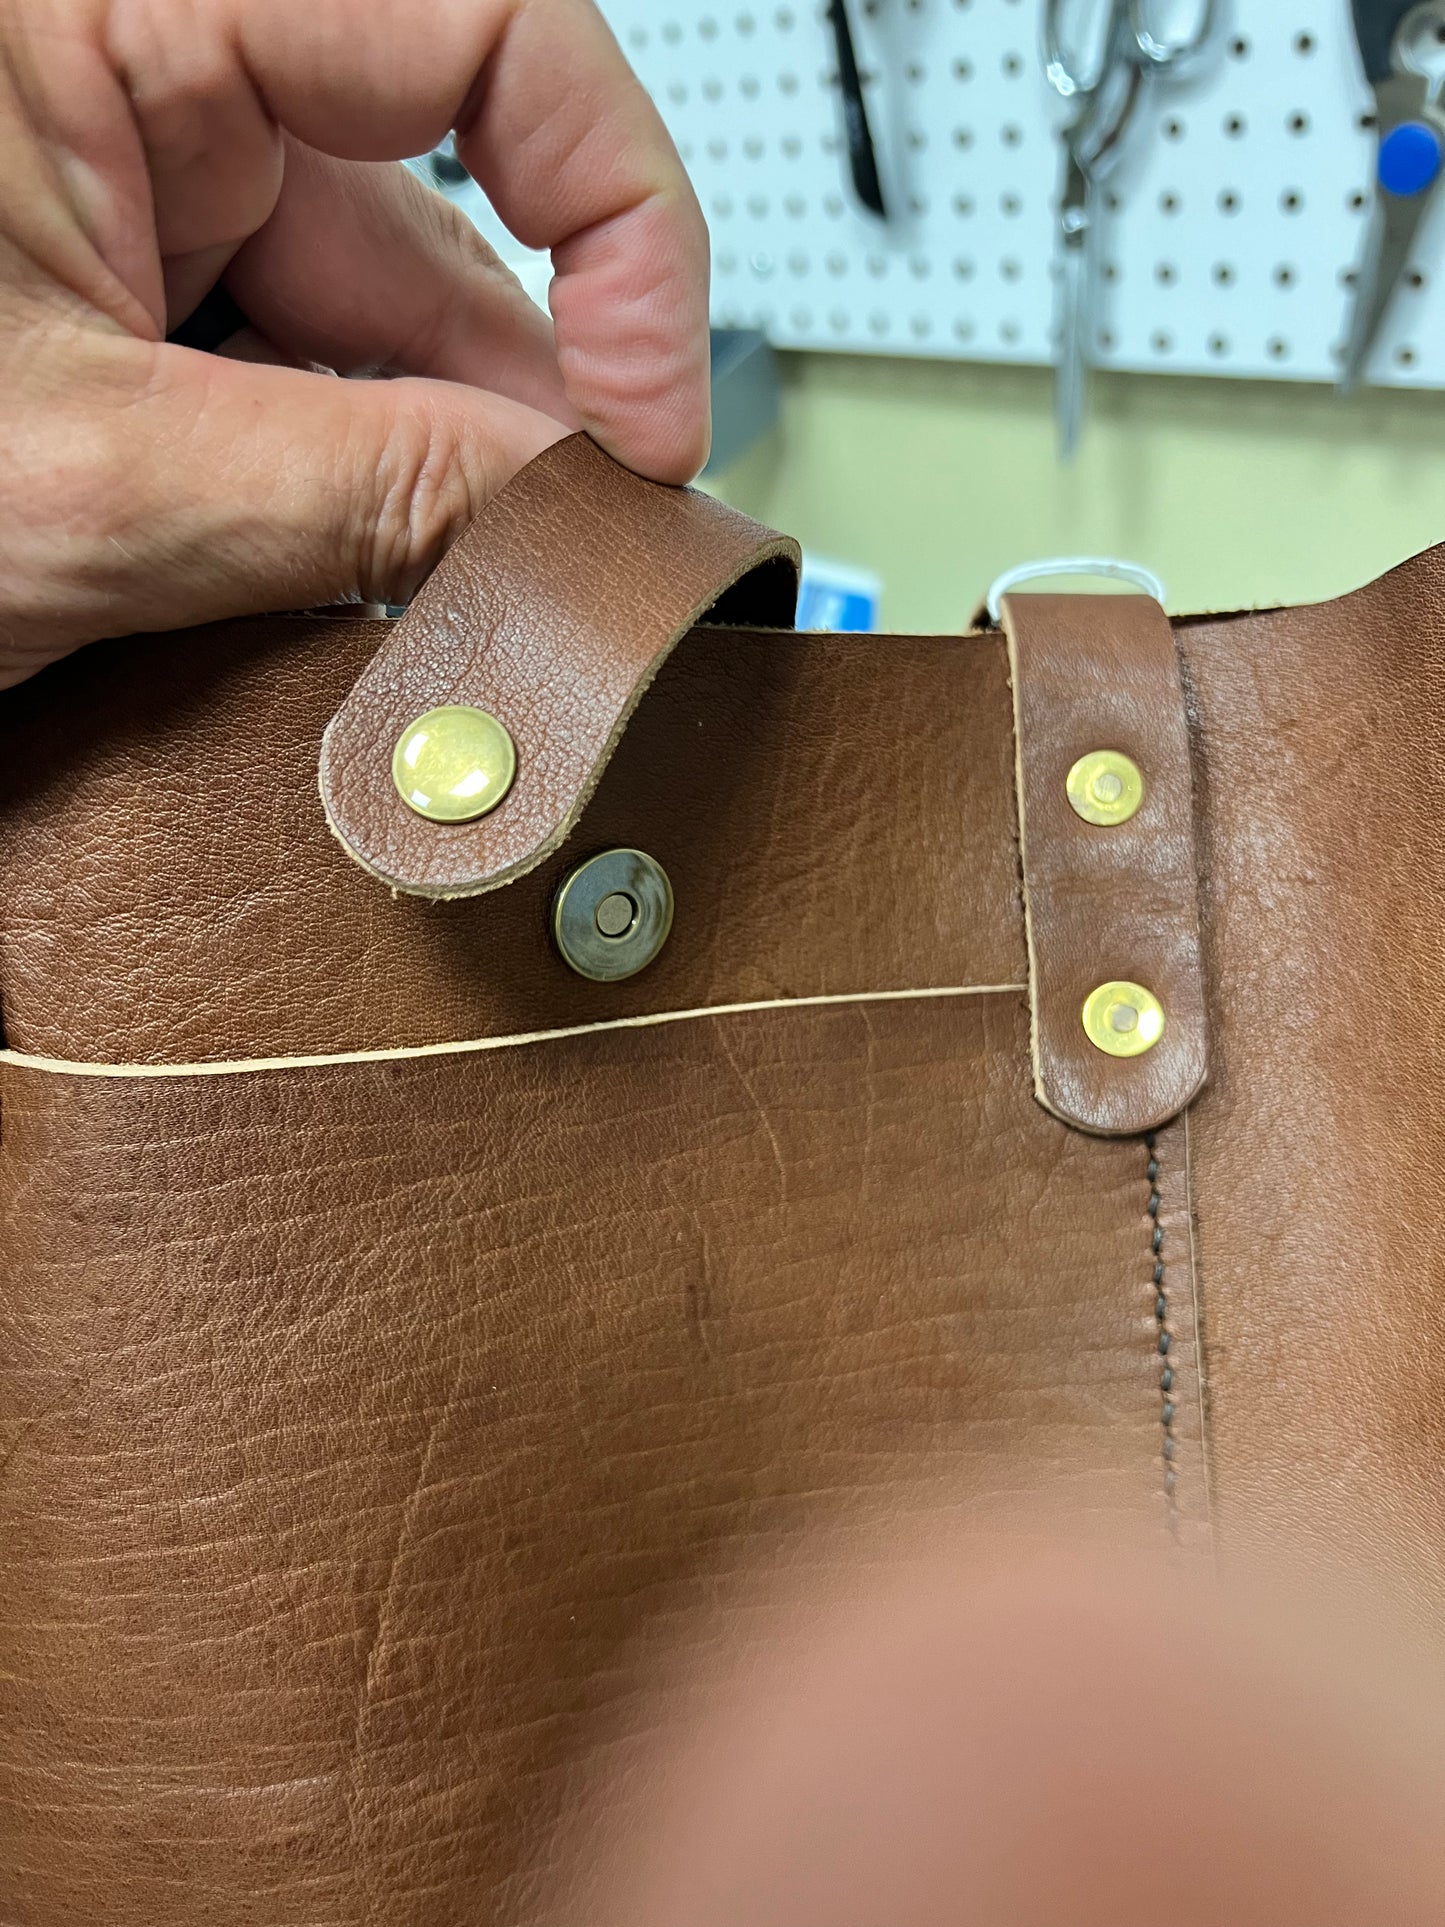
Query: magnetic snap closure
1105,787
1123,1019
612,915
454,764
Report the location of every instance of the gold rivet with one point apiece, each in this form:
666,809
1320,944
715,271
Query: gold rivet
612,915
1123,1019
454,764
1105,787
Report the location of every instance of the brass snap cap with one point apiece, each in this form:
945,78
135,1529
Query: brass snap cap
1123,1019
612,915
454,764
1105,787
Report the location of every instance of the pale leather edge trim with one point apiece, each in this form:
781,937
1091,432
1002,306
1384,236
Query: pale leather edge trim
471,1046
1035,1056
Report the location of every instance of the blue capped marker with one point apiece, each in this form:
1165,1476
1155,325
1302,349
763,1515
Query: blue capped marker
1411,156
1409,161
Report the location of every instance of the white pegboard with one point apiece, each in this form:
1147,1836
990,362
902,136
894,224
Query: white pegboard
1235,219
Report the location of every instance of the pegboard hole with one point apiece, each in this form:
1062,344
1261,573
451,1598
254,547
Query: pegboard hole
920,267
712,90
1011,205
963,137
1415,279
1284,275
1239,47
802,319
1169,202
963,70
963,205
1165,273
1298,124
1012,135
797,264
1277,348
1109,271
1235,126
1013,65
792,146
1161,343
1174,128
1223,274
1106,340
1357,203
963,268
877,266
1009,331
1010,269
837,264
786,19
1219,344
1292,201
878,322
1229,202
1304,43
921,325
1405,357
963,328
915,71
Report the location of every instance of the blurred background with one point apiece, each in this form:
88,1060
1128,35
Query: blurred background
926,213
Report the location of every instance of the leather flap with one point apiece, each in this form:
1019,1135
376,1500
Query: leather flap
1106,904
553,612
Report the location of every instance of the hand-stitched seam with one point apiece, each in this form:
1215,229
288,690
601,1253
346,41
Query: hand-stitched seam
1164,1336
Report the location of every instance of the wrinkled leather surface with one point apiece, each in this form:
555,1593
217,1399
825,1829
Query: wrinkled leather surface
1320,1144
1106,904
366,1431
835,812
372,1430
553,612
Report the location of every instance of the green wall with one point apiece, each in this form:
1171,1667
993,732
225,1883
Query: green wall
941,474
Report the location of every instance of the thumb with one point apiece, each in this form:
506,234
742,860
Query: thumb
198,487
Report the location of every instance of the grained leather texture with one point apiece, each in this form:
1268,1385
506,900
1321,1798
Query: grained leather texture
835,812
1320,1144
374,1431
369,1428
1112,903
553,612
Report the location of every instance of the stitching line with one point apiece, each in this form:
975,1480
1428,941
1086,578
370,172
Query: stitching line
1164,1341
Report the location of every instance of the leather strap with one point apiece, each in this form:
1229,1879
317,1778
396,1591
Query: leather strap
554,612
1106,904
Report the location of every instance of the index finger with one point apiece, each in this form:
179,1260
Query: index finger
558,132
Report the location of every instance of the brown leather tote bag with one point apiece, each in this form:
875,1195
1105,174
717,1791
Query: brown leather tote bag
409,1298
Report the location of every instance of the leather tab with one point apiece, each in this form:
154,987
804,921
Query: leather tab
554,611
1106,904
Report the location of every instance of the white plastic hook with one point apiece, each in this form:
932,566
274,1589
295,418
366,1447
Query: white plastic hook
1107,566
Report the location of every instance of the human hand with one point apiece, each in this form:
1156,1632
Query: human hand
152,147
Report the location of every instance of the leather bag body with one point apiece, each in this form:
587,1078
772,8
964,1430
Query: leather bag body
398,1331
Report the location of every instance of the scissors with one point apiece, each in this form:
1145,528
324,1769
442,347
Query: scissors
1409,156
1131,55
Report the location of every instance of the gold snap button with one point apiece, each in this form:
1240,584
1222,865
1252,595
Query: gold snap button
454,764
612,915
1123,1019
1105,787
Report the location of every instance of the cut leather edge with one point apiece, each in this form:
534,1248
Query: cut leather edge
475,1046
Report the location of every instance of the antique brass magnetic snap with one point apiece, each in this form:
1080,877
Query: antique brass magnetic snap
612,915
1105,787
1123,1019
454,764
